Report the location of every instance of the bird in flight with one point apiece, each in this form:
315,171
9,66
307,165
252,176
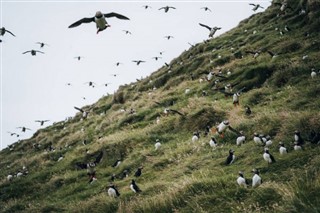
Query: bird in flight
33,52
4,30
166,8
138,61
100,20
206,9
168,37
256,7
42,44
146,6
213,30
41,121
23,129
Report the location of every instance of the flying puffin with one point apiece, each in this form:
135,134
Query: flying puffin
138,61
241,180
23,129
127,32
282,149
33,52
231,157
41,121
112,191
256,7
168,37
4,30
146,6
42,44
256,179
134,187
100,20
267,156
206,9
213,30
166,8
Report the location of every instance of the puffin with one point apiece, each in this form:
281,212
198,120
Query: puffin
156,58
256,179
166,8
127,32
268,141
78,57
206,9
257,139
241,180
268,157
42,44
138,173
112,191
256,7
146,6
282,149
117,163
100,20
298,138
195,137
313,73
4,30
138,61
168,37
231,157
33,52
296,146
23,129
134,187
13,133
157,145
240,139
213,143
213,30
41,121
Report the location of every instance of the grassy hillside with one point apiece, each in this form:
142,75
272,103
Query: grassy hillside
182,176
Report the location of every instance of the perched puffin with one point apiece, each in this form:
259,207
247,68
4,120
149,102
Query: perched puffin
282,149
241,180
112,191
241,139
100,20
195,137
230,158
157,145
222,126
33,52
257,139
213,30
296,146
298,138
247,110
256,179
166,8
268,141
117,163
138,173
267,156
4,30
213,143
134,187
313,73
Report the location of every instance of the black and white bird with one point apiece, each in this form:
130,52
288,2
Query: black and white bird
212,30
268,157
134,187
254,53
138,61
90,83
41,121
257,139
231,157
168,37
298,138
100,20
166,8
13,133
78,57
296,146
156,58
42,44
138,173
84,112
240,139
268,141
146,6
33,52
256,179
195,136
313,73
117,163
23,129
206,9
213,143
127,32
247,110
282,149
112,191
241,180
157,145
256,7
4,30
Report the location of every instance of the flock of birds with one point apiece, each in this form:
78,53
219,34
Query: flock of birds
100,20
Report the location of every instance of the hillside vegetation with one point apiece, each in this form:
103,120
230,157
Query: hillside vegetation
183,176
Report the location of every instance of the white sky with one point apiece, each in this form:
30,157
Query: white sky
34,87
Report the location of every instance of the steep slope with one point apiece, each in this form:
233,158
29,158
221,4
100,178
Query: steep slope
182,176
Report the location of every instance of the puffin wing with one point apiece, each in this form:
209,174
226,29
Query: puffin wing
84,20
77,108
26,52
252,4
10,33
119,16
175,111
203,25
39,51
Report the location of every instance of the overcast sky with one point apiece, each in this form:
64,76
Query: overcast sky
35,87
